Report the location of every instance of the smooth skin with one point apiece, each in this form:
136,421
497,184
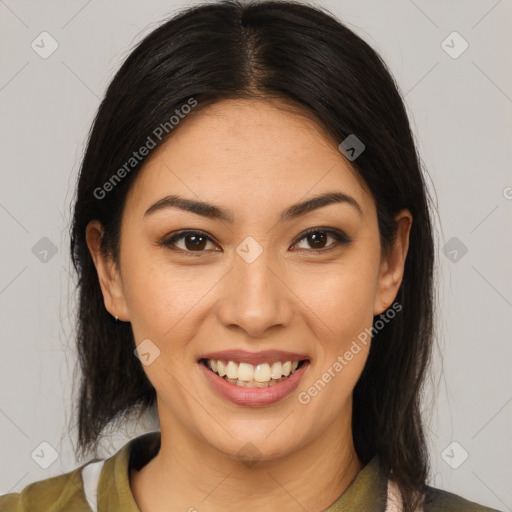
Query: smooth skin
253,158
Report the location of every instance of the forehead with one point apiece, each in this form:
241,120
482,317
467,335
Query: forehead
248,152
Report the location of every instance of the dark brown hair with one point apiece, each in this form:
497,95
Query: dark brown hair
276,50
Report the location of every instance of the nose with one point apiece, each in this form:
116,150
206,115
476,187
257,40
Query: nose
255,297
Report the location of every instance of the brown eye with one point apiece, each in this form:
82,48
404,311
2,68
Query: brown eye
317,239
193,241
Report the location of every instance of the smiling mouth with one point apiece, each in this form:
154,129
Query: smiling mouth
253,376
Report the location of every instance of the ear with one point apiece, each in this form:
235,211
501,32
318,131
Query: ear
392,264
108,273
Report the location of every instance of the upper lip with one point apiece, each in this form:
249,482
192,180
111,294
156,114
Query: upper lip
254,358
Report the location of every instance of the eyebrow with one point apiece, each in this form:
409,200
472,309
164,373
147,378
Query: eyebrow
215,212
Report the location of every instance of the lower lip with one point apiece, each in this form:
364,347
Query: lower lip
254,397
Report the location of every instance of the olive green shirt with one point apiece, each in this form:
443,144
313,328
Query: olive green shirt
367,493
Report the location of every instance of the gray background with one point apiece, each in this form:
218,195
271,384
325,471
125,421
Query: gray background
460,111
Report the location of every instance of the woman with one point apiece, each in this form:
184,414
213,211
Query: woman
254,249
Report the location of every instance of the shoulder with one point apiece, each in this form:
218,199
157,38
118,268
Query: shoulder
58,493
437,500
108,479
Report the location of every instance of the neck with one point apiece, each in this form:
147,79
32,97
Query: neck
189,474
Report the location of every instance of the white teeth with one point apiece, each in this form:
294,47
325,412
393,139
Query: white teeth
262,373
276,370
248,375
246,372
232,370
254,384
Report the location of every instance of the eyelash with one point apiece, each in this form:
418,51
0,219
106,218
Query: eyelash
339,237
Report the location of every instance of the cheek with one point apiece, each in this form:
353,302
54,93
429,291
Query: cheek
163,299
342,295
338,303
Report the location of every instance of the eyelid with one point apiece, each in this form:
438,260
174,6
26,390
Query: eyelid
339,236
169,240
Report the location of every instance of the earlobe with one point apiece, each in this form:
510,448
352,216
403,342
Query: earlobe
393,264
108,274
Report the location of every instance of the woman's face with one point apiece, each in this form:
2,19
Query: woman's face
251,283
